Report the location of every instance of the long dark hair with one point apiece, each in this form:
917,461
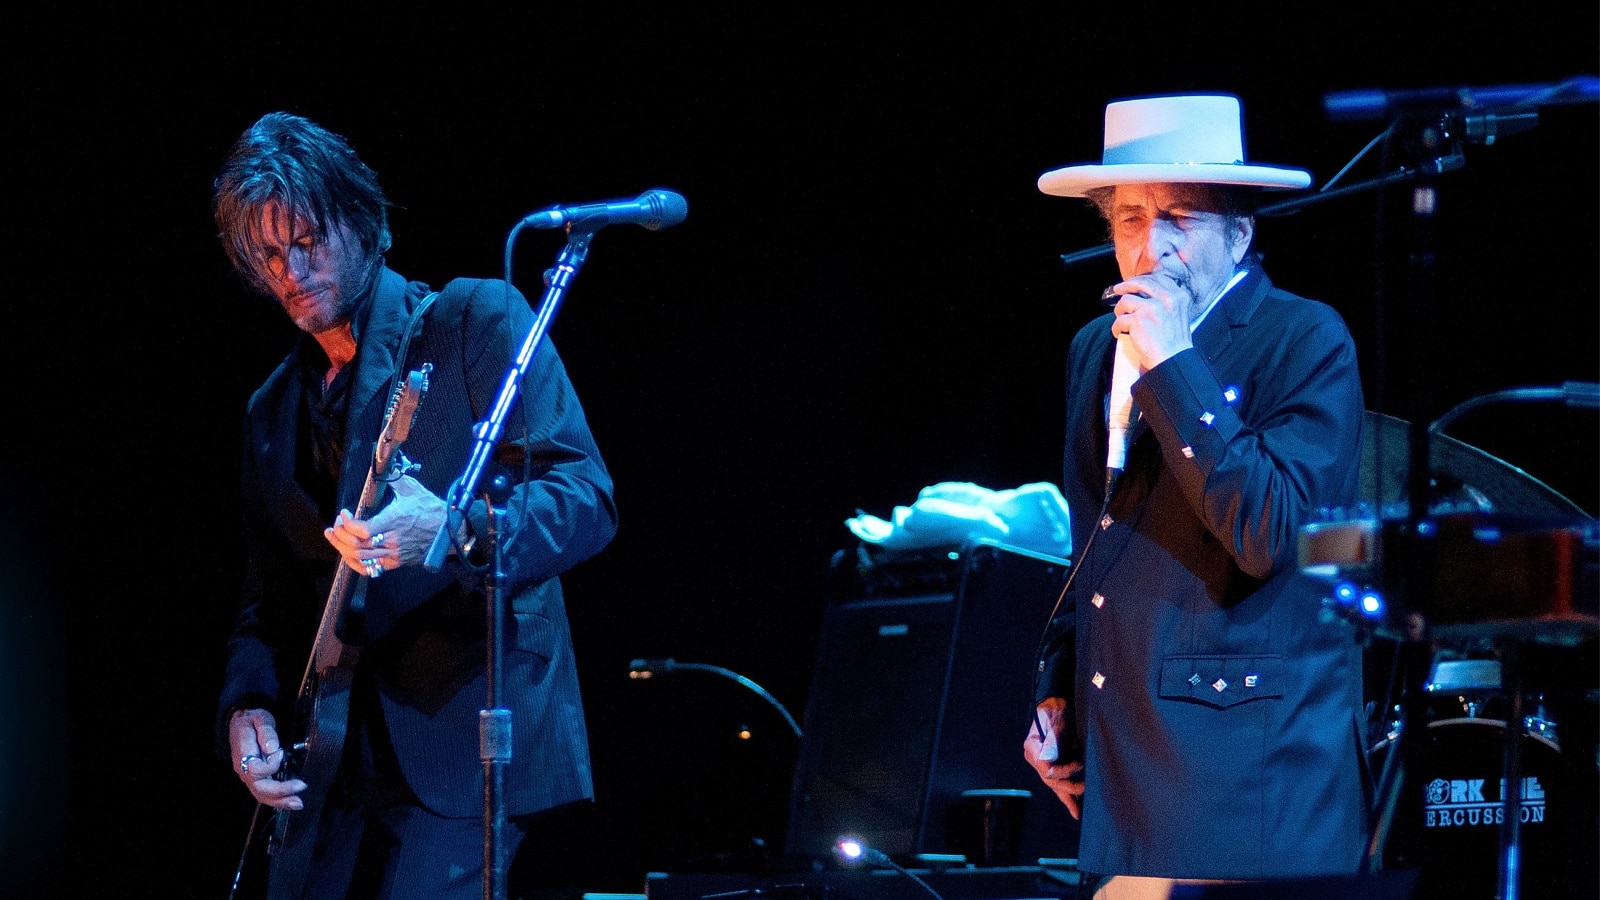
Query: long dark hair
308,171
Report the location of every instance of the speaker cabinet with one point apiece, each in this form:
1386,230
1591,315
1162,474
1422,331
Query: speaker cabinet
919,697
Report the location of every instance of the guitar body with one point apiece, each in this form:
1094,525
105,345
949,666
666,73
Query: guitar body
315,760
315,739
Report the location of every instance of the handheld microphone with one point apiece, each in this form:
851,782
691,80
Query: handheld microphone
1120,412
654,209
1123,374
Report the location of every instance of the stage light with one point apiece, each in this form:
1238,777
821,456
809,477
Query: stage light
852,852
1371,603
849,850
1345,592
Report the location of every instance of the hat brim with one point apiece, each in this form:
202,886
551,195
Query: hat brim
1075,181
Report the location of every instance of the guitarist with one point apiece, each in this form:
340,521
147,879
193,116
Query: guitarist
304,222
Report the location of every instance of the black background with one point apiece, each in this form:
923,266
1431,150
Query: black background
866,298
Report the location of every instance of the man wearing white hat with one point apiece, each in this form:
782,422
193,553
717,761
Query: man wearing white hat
1196,713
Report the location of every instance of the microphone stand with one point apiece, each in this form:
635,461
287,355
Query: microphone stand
494,722
1417,559
1431,167
1412,554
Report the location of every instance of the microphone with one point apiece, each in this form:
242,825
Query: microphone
642,669
1581,394
1575,394
1375,103
1123,375
645,668
654,209
1120,413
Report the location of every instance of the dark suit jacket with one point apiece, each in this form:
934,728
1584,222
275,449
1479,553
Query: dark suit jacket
425,631
1218,714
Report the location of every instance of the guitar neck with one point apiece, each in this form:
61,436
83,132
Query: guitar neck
327,649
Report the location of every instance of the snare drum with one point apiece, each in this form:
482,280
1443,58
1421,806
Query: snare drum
1470,688
1460,792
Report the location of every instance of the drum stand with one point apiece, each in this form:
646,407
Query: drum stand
1406,754
1511,800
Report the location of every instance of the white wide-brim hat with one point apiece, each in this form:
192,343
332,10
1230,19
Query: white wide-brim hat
1196,139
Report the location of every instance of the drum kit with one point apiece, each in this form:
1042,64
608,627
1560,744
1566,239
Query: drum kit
1485,608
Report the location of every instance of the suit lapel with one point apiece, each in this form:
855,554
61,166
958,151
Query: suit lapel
1216,333
280,422
379,331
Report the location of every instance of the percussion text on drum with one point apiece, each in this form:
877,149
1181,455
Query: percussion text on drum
1460,801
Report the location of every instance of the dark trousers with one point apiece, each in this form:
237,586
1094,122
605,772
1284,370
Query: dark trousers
403,851
376,841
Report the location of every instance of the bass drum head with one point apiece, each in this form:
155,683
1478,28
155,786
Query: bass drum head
1447,823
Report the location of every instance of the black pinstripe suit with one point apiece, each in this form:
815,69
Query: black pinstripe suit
424,654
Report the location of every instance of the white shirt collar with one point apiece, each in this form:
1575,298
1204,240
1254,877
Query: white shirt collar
1237,277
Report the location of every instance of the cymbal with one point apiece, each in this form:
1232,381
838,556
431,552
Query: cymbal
1460,471
1509,556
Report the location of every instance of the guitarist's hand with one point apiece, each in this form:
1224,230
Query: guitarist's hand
253,734
408,525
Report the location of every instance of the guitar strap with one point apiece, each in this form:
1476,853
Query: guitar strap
405,340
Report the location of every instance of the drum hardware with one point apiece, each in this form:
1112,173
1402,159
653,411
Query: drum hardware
1447,573
1450,675
1460,789
1537,726
1478,805
1489,576
1471,688
1460,579
1508,555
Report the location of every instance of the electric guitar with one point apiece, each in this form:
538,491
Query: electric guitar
322,708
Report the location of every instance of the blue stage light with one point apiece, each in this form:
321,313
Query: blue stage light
1345,592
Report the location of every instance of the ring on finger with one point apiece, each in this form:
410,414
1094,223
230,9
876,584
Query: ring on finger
377,540
244,763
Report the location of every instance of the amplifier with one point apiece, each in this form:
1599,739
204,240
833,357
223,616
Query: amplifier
918,698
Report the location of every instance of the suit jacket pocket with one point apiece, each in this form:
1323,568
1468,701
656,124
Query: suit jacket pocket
1222,681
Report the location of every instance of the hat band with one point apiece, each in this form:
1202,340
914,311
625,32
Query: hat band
1120,157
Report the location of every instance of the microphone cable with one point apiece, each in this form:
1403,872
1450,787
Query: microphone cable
1072,574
